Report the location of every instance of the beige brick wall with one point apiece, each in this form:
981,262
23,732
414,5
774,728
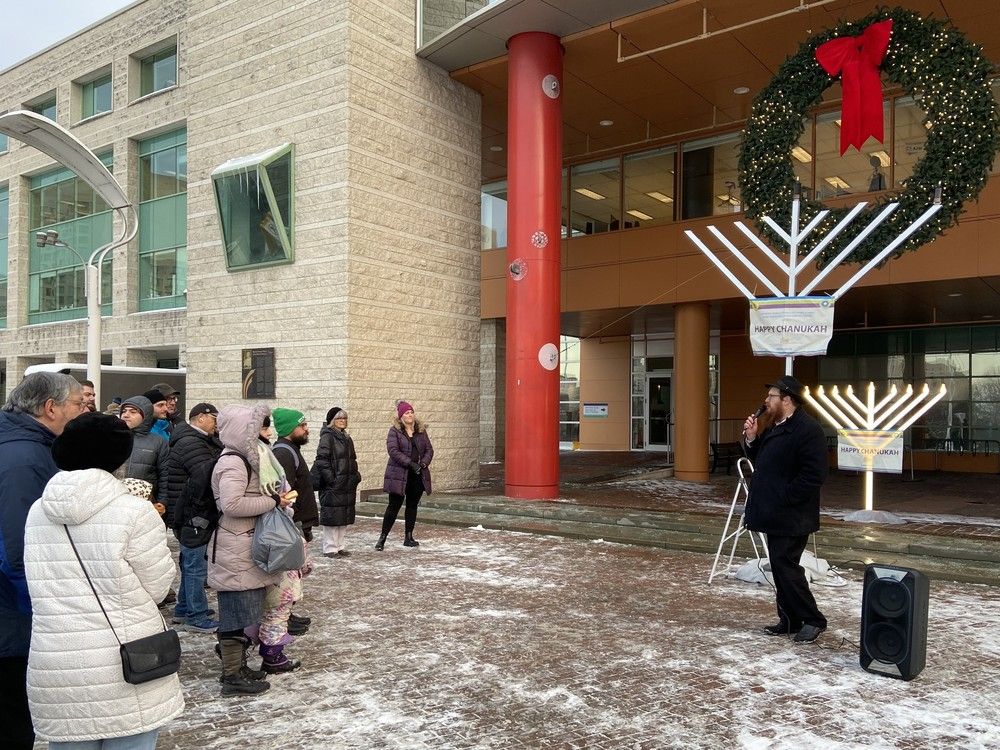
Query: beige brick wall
414,251
382,301
492,389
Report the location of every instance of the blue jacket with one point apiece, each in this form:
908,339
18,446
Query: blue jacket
26,466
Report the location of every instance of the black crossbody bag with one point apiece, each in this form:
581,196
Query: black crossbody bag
143,659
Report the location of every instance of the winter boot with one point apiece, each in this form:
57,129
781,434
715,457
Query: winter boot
380,544
245,670
276,661
409,541
292,617
233,661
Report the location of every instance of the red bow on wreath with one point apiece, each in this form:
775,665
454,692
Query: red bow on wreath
857,59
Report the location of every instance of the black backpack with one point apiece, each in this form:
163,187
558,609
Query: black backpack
198,529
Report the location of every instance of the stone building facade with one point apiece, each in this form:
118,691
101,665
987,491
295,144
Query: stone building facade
381,299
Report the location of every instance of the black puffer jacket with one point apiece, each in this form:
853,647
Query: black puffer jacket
297,474
189,476
790,466
149,452
336,477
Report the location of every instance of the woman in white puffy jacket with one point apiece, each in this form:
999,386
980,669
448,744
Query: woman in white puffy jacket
76,690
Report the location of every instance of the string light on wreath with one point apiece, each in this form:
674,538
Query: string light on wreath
947,77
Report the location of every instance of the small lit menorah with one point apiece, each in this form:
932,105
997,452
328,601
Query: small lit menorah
870,428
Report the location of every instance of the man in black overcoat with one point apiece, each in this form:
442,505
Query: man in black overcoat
790,465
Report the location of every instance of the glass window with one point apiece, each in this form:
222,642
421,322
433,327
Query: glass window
909,138
46,108
254,200
986,363
569,391
61,201
437,16
649,187
802,159
96,96
493,213
4,144
158,71
853,172
4,216
163,221
563,188
593,199
709,177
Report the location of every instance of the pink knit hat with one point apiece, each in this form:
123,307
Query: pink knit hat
401,408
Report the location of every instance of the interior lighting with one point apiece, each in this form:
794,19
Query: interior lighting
741,90
656,195
590,194
607,123
495,148
639,215
837,182
801,154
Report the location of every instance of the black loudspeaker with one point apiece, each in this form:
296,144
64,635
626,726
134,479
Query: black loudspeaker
894,621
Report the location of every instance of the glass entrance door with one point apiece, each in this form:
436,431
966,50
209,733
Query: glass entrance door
658,412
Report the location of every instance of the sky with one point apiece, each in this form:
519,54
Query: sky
29,27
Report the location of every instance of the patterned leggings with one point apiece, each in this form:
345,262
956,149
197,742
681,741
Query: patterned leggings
278,603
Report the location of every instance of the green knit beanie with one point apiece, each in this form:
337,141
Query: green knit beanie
286,420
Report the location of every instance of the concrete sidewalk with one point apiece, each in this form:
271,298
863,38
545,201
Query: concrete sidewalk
484,639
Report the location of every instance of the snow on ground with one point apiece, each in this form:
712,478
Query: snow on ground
486,639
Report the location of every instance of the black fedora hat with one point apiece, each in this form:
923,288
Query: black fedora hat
788,386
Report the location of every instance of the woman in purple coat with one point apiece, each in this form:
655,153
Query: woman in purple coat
407,475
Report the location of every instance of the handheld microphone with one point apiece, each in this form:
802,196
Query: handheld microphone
756,415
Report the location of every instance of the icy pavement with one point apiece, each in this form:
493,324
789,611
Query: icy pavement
483,639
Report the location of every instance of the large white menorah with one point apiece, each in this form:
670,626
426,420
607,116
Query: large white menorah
793,237
869,428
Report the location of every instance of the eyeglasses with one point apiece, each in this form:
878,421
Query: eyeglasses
774,395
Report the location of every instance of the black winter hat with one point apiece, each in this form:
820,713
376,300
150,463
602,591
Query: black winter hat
788,386
93,441
330,414
154,396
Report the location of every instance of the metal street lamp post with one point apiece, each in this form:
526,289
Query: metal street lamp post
54,140
92,292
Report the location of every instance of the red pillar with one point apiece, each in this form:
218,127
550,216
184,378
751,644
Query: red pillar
534,209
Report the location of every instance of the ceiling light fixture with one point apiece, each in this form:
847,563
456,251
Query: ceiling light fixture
590,194
741,90
607,123
495,148
656,195
837,182
802,155
955,294
639,215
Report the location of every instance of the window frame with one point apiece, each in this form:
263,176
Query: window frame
256,165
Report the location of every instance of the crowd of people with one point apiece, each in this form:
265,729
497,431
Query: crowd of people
117,483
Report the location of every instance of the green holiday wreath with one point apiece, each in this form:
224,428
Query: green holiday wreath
948,78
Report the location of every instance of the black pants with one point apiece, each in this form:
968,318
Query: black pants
796,605
15,719
414,491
